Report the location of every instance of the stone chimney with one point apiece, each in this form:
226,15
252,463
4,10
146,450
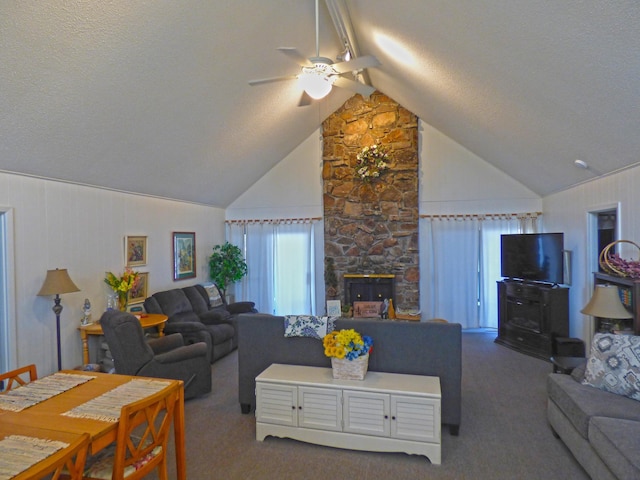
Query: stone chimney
372,227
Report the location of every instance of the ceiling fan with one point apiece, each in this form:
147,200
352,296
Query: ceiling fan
319,74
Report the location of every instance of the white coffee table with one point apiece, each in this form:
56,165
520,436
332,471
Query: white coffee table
385,412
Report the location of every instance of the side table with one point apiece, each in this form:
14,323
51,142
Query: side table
566,364
147,320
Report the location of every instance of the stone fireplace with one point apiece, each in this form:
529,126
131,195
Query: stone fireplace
372,228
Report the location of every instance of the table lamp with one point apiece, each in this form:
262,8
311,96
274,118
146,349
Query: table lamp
57,282
605,303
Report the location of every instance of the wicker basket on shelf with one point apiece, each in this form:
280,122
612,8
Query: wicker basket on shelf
344,369
614,265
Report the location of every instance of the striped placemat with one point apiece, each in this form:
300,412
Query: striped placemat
19,452
107,406
40,390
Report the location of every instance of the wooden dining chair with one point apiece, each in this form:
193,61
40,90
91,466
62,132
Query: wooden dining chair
141,442
66,463
18,377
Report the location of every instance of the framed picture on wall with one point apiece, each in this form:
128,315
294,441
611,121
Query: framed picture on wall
135,249
139,293
184,255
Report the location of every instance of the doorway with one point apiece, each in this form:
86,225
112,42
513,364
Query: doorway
604,228
7,291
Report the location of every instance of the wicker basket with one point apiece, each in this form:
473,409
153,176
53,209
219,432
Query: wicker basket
344,369
605,262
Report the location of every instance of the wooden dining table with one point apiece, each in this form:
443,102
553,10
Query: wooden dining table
48,414
7,429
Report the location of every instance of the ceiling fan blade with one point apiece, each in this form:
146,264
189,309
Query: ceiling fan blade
296,56
305,99
260,81
361,88
366,61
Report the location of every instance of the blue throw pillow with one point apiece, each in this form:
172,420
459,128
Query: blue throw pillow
614,364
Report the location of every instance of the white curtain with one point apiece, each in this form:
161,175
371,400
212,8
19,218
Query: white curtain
280,266
452,263
294,269
256,241
462,259
491,229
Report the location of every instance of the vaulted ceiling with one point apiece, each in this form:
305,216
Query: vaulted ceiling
153,96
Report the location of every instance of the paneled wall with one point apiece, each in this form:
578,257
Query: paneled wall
61,225
568,212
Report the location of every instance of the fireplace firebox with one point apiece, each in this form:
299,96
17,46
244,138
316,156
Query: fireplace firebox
368,287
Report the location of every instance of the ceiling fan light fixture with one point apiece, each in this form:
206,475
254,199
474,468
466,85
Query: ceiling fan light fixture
316,85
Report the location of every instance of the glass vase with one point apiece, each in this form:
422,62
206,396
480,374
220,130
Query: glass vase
123,301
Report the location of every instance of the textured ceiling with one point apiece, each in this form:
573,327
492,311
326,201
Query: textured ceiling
152,96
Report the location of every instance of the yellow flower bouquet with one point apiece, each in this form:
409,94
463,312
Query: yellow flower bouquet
122,285
347,344
349,353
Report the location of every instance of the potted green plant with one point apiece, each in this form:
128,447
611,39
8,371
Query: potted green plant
226,266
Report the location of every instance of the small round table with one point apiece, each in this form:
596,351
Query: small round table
147,320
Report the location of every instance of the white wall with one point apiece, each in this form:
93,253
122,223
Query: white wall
453,180
567,212
82,229
291,189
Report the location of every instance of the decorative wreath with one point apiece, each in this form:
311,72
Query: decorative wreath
372,162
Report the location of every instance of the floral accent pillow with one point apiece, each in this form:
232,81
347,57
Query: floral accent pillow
614,364
308,326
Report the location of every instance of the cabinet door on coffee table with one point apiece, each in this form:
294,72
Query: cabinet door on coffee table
320,408
278,404
366,413
415,418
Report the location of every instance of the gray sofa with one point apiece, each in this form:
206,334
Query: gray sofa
416,348
192,314
601,429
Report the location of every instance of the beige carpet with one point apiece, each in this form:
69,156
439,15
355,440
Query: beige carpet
504,432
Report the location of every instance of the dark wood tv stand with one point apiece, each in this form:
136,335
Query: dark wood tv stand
530,315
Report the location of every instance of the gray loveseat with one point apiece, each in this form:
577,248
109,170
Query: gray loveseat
416,348
601,429
192,314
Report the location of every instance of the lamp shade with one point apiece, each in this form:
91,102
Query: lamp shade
56,282
606,303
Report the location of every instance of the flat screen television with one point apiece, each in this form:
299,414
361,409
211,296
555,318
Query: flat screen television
535,257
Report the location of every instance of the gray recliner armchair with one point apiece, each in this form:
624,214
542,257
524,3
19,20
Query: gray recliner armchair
164,357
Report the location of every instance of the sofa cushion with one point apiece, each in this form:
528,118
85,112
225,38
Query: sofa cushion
581,402
173,301
184,317
617,443
578,372
242,307
215,316
221,333
614,364
198,302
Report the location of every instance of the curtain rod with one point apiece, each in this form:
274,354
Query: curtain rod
276,220
483,215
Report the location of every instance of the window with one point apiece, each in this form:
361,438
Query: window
280,260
